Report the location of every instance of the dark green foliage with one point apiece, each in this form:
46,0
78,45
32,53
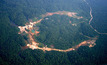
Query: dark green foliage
87,30
100,15
18,12
57,58
59,32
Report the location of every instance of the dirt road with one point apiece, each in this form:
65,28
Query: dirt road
34,45
92,19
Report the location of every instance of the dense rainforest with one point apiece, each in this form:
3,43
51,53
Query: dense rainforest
62,34
18,12
99,13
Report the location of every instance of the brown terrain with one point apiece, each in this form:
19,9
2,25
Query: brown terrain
34,45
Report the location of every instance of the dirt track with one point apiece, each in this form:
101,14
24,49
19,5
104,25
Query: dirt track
34,45
89,43
92,18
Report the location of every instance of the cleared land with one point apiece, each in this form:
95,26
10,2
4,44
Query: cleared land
34,45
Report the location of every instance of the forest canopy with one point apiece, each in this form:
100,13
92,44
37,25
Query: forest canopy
14,13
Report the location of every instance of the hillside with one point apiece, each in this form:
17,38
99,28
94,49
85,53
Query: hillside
53,32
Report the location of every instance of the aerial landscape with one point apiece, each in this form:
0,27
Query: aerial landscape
53,32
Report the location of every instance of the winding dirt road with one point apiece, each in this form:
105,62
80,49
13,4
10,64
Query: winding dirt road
34,45
90,43
92,19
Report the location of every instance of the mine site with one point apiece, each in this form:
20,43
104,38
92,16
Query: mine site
32,44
